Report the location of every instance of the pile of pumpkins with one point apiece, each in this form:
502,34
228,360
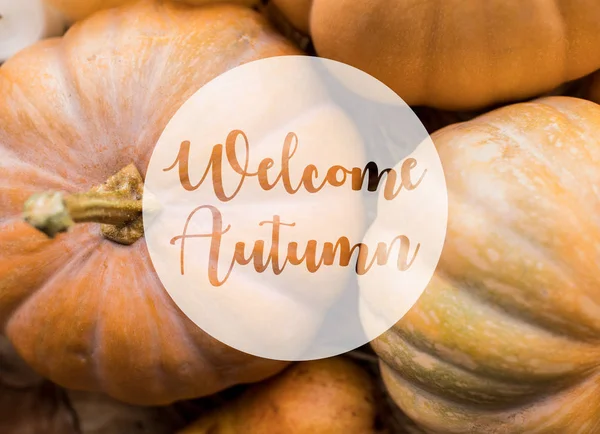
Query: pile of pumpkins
506,337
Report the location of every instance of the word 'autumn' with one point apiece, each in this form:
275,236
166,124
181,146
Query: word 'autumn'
336,176
310,257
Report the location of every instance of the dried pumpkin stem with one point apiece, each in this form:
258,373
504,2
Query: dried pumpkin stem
106,208
116,205
54,212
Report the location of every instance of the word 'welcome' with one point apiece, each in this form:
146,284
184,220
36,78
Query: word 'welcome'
336,176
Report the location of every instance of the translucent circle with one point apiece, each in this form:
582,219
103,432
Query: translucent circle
288,216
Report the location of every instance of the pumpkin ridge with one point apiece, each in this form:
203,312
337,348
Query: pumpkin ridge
516,310
46,176
502,368
96,358
418,343
540,397
154,355
82,256
522,313
59,68
67,82
207,361
506,403
440,398
537,155
74,82
464,385
157,350
505,420
37,114
166,302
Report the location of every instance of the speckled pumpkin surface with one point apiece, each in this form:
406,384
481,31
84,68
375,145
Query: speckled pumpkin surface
506,338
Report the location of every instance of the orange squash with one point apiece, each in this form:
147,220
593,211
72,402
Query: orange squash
332,396
457,55
506,338
75,10
82,310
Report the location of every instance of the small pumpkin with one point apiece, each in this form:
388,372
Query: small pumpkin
457,56
325,396
75,10
82,310
505,338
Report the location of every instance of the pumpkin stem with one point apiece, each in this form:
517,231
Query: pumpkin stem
116,205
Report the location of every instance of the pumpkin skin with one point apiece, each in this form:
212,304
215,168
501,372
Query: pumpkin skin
332,396
75,10
505,339
457,54
83,311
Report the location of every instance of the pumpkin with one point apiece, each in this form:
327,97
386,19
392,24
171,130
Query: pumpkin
457,55
86,309
324,396
75,10
505,338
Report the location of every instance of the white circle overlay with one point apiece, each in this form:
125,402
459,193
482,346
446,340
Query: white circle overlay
289,216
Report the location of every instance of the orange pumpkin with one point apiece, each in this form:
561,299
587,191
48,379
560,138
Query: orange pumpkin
457,55
84,311
505,338
332,396
76,10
